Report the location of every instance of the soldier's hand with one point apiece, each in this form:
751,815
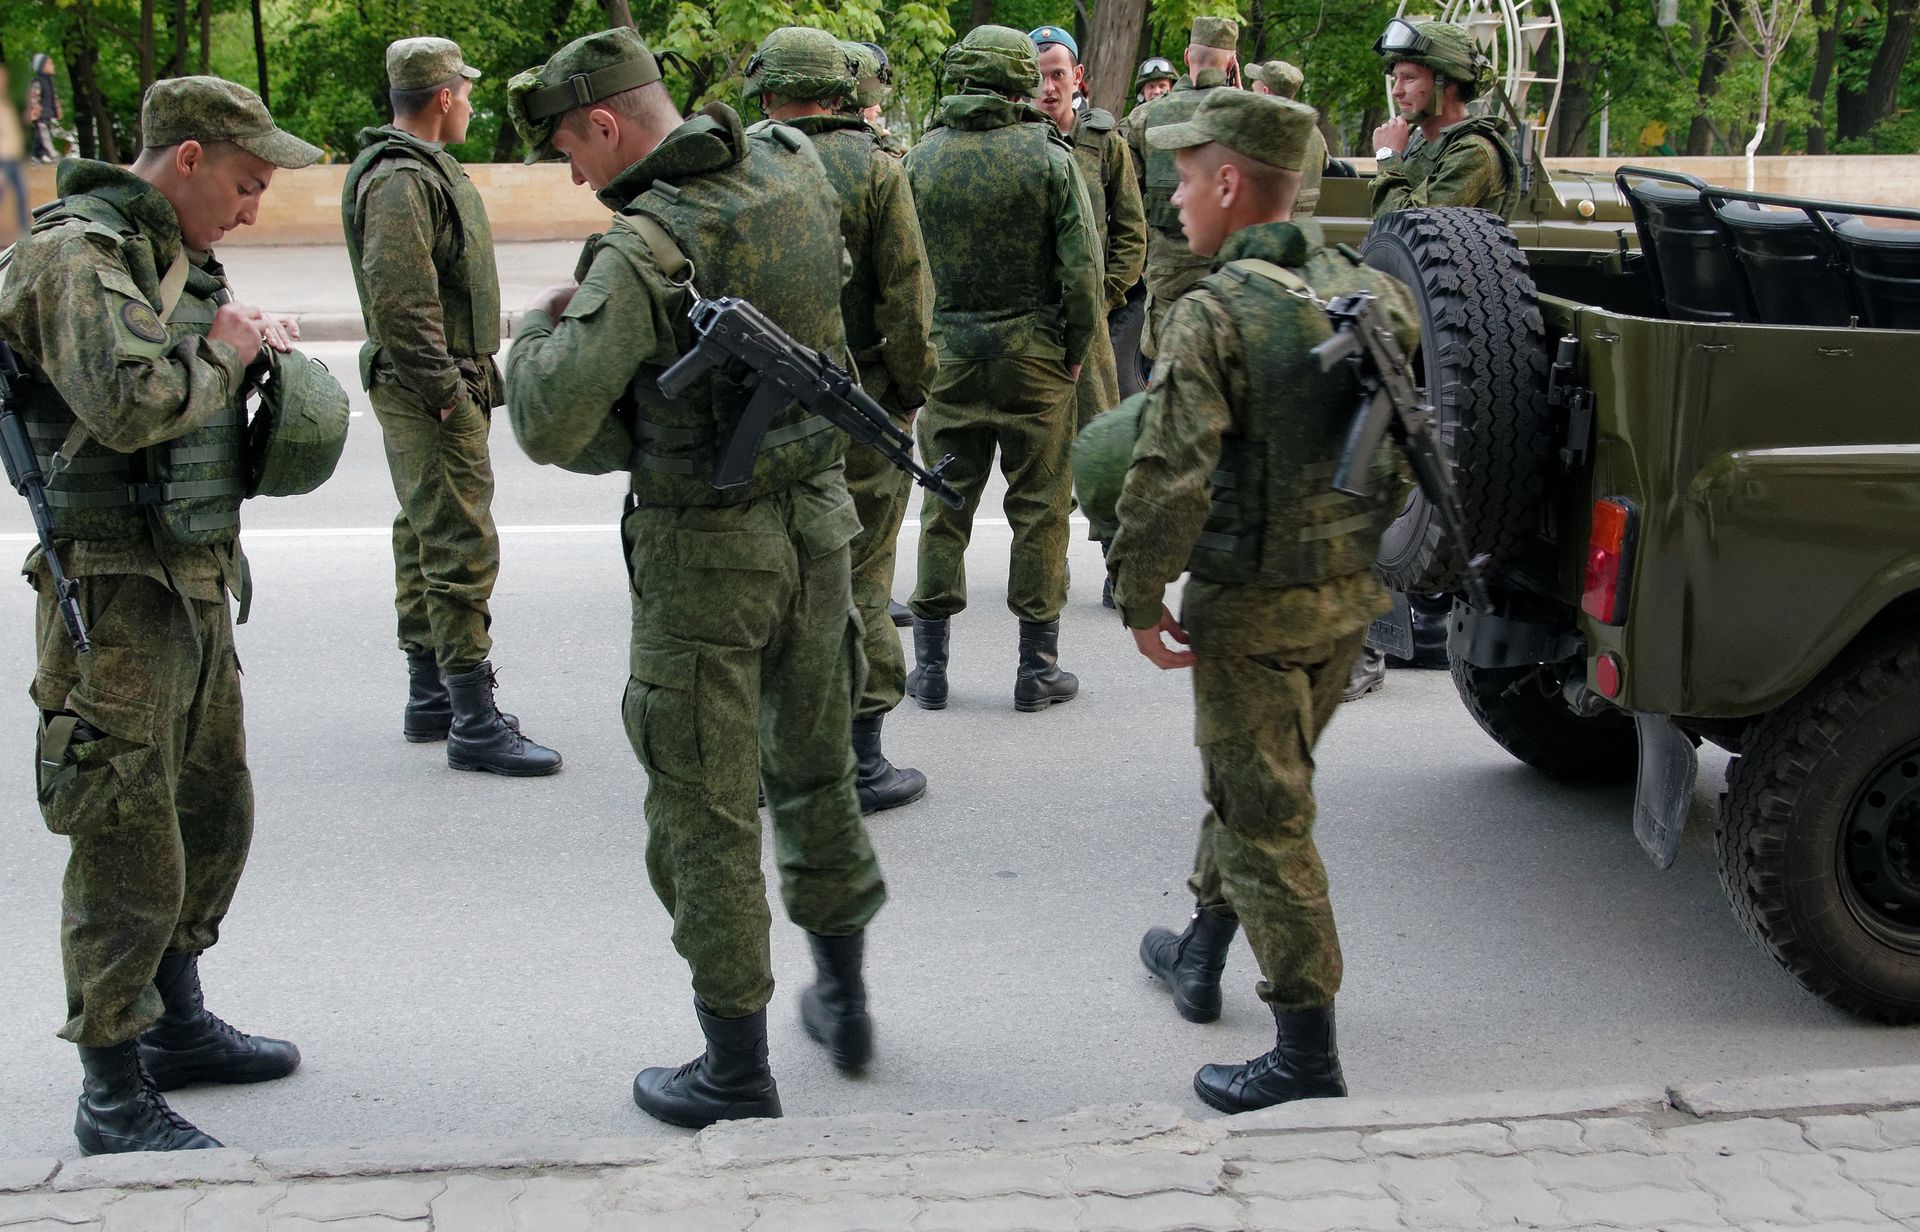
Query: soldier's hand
1393,135
1152,644
554,300
1073,370
242,328
288,326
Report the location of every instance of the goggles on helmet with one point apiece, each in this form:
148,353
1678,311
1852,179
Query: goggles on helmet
1400,36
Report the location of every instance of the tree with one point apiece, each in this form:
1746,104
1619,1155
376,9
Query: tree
1109,51
1765,28
1720,33
1826,17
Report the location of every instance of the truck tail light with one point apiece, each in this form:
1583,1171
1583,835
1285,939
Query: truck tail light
1609,561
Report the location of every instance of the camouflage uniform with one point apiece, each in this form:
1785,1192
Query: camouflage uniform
745,644
1230,483
1470,164
1284,80
1017,300
422,256
1120,225
142,756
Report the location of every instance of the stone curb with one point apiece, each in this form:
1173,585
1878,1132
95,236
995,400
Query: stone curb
350,327
751,1144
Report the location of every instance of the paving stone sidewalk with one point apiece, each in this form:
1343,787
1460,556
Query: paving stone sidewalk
1834,1150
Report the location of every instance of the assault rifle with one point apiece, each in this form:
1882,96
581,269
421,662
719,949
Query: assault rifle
1363,338
23,472
738,338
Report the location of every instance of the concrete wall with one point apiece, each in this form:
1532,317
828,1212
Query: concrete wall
542,203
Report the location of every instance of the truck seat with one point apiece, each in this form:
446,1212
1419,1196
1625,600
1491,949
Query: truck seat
1791,265
1886,272
1688,254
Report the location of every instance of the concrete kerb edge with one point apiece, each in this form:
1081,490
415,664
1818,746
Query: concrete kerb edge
351,327
754,1144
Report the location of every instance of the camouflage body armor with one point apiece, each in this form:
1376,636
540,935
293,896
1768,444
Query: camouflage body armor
191,485
676,442
469,286
1160,176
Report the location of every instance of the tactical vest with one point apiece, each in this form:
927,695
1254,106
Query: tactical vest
847,148
982,199
1090,136
192,485
1162,176
1275,518
1425,160
762,230
469,285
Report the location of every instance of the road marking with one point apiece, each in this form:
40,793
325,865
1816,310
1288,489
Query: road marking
382,532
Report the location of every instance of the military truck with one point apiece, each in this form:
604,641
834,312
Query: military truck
1689,455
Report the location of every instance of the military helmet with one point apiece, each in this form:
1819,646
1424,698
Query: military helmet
1155,68
1101,455
996,58
1445,48
874,72
298,430
801,64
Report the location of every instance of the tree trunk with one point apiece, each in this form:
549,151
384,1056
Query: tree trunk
1883,79
206,36
1827,15
979,13
93,121
260,52
1116,35
177,64
1719,41
146,46
618,12
1569,137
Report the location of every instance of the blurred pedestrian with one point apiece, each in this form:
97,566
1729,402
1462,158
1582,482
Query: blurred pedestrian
13,148
43,108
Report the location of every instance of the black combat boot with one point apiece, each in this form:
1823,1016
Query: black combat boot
1369,674
834,1010
120,1111
188,1044
429,714
483,739
881,784
1191,962
899,613
730,1081
927,682
1304,1064
1040,683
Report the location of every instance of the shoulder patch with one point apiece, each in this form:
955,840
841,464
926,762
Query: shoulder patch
142,322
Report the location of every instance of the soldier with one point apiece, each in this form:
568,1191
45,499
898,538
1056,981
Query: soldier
1433,152
1172,268
1017,298
744,642
136,356
803,78
422,255
870,96
1280,592
1154,78
1280,78
1119,222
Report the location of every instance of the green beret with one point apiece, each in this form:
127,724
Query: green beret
210,109
801,64
590,68
1218,32
1263,127
416,63
1279,76
996,58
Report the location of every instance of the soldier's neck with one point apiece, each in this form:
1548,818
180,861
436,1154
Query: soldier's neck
431,129
1451,114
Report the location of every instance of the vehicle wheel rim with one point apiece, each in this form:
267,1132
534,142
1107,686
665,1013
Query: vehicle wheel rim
1880,851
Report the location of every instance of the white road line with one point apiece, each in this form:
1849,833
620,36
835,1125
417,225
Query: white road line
382,532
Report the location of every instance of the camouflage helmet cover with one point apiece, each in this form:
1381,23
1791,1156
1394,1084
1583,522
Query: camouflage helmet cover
874,71
299,429
802,64
1155,68
996,58
1445,48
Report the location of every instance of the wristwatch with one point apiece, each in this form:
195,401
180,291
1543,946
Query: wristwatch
1385,152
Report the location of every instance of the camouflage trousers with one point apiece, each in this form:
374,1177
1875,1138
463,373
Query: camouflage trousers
446,552
1098,389
143,767
1024,408
880,490
1257,718
745,661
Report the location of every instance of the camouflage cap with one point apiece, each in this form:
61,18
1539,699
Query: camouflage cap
209,109
1263,127
1279,76
1219,32
590,68
874,72
416,63
802,64
996,58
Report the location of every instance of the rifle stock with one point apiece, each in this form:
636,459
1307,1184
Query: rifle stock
24,473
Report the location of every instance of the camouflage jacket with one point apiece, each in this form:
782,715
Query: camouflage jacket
81,309
1201,401
1471,164
1114,193
1171,266
888,301
1003,212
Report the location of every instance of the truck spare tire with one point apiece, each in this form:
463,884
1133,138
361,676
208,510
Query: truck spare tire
1483,361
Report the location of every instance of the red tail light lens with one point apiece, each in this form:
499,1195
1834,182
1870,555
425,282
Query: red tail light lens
1609,561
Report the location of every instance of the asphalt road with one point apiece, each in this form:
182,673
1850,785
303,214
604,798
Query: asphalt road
458,954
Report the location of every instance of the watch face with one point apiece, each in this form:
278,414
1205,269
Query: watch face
1385,152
